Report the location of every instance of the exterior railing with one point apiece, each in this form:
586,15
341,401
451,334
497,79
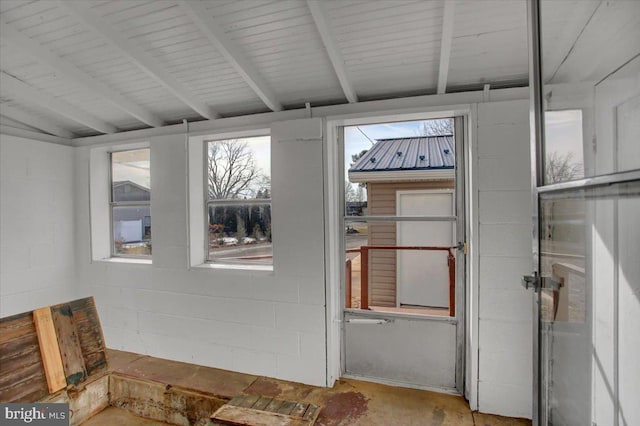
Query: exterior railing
364,272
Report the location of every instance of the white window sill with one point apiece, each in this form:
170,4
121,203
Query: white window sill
233,267
129,260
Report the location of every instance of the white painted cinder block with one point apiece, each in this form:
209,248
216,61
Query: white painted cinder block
37,264
509,240
505,207
505,399
505,308
269,323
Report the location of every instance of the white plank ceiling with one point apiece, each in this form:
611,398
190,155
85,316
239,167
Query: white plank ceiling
80,68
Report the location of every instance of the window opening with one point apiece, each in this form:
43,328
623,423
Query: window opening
238,201
130,203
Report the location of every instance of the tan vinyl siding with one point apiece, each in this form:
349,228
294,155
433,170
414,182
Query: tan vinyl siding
382,263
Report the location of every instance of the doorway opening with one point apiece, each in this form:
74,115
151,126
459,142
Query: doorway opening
403,241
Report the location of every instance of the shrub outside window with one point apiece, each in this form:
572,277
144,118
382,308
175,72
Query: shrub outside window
130,203
238,201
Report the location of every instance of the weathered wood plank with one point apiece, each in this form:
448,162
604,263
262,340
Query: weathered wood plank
22,377
262,403
49,350
246,401
274,406
286,407
153,400
242,416
87,322
312,413
70,350
299,409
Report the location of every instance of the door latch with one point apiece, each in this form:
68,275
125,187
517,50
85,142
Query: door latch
463,246
531,281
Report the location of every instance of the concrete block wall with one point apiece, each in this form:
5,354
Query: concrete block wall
37,257
268,323
504,214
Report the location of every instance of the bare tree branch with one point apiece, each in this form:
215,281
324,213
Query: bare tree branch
437,127
232,170
561,168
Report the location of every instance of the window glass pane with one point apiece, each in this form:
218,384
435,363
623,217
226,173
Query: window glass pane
239,168
589,243
591,89
563,145
401,266
130,175
132,230
240,234
384,160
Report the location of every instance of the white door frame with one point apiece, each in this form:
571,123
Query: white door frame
467,380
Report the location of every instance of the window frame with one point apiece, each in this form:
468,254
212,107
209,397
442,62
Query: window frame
229,201
115,204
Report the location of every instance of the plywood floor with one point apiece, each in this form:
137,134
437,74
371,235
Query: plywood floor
349,402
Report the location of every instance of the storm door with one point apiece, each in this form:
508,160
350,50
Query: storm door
403,251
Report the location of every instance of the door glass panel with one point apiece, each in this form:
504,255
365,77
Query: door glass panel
401,175
400,266
590,292
591,89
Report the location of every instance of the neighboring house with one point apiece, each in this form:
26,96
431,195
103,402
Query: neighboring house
133,223
408,176
130,191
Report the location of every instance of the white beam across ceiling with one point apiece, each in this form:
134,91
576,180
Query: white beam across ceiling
320,18
445,44
25,93
82,10
35,122
202,18
71,72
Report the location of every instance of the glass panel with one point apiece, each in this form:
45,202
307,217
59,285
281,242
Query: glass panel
240,234
132,230
591,89
564,153
239,168
382,159
589,241
130,175
399,266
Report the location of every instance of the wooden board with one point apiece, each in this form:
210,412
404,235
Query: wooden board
49,349
255,410
44,350
87,322
70,350
22,376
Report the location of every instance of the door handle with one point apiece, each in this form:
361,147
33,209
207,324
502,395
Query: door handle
369,321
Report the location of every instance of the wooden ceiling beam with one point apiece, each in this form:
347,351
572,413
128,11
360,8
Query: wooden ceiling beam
128,48
320,18
22,92
202,18
71,72
445,44
35,122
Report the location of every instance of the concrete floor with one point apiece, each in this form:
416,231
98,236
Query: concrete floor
349,402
